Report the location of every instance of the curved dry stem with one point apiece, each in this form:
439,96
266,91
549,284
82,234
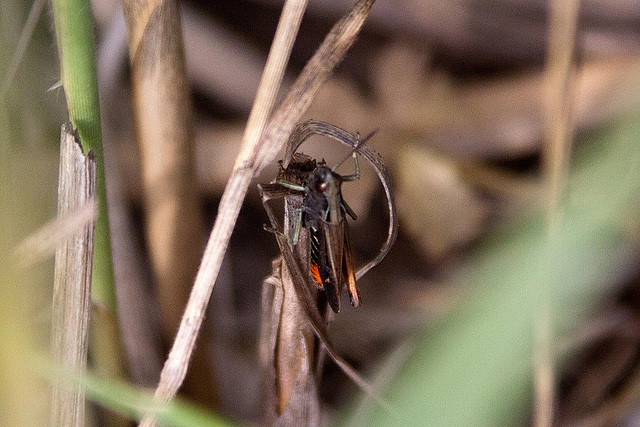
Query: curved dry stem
316,127
315,73
302,287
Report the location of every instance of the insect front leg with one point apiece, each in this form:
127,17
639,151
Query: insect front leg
295,237
279,191
348,209
270,192
356,175
290,185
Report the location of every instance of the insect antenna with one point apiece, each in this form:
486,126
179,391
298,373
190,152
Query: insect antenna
356,146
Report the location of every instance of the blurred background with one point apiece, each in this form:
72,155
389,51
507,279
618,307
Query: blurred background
458,91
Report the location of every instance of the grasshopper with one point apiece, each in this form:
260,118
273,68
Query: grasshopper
321,256
323,213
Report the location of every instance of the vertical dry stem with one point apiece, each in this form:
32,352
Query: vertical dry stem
162,109
296,340
72,285
288,342
558,133
174,224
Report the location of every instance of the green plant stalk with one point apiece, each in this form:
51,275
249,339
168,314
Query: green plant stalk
75,39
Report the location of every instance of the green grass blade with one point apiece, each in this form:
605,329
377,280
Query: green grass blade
475,366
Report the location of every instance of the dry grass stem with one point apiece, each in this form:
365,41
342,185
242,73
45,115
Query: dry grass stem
72,285
303,289
558,132
248,164
162,112
287,345
173,220
315,73
137,308
295,353
284,38
561,73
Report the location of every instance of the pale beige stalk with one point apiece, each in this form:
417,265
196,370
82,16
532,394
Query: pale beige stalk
72,284
560,70
162,114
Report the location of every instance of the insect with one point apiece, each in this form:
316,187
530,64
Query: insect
315,244
323,211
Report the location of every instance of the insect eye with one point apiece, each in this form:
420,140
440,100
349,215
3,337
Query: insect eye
321,186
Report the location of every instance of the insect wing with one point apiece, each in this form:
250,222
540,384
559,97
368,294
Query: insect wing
333,248
348,269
